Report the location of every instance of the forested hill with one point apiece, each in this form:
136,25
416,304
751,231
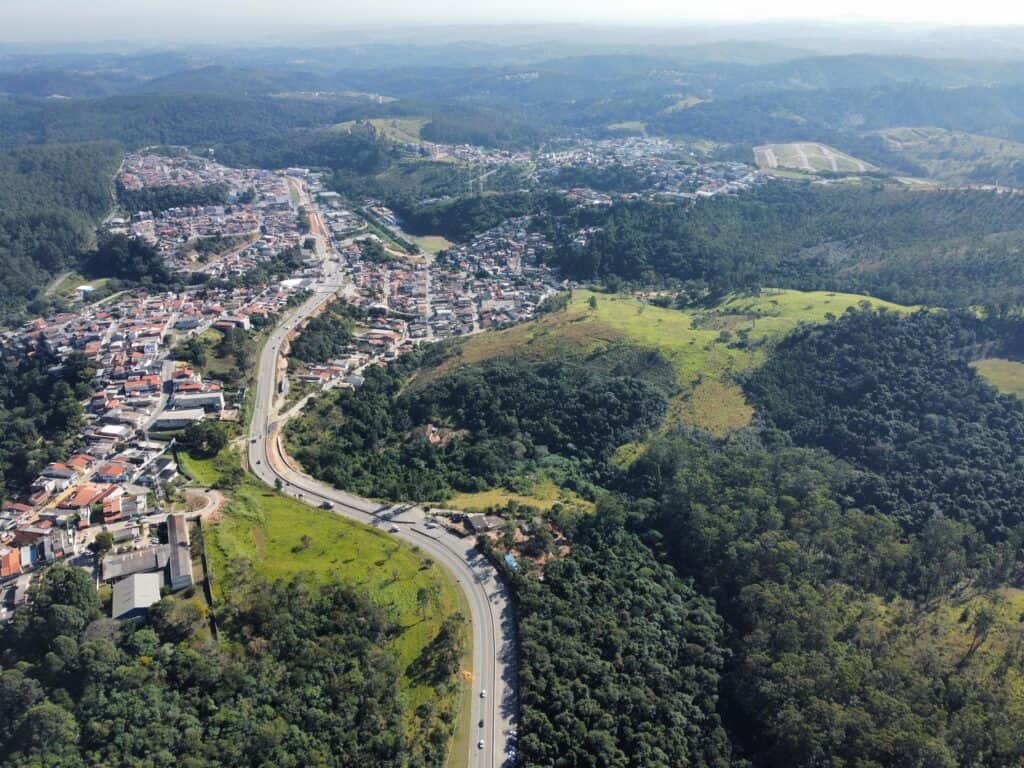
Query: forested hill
483,426
192,119
300,678
51,198
896,396
912,247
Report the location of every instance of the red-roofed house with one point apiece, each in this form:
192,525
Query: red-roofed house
10,561
112,472
148,383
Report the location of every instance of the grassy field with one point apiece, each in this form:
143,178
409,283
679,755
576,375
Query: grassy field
956,157
65,287
433,243
629,126
265,532
685,102
991,660
543,495
808,156
401,129
707,348
1005,375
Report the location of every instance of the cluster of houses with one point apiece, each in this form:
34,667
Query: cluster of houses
139,391
260,217
498,278
669,169
481,157
140,170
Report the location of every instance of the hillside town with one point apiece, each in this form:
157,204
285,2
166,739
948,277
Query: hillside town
667,168
122,474
275,236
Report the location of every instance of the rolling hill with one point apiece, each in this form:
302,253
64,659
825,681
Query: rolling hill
958,157
707,348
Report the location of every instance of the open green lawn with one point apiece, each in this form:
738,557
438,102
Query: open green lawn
66,287
948,631
707,347
684,102
263,531
226,367
216,367
433,243
1005,375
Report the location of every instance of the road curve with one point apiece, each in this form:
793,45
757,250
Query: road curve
494,667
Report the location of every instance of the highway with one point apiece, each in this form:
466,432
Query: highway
493,626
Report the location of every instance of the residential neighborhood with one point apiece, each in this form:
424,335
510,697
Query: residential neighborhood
146,390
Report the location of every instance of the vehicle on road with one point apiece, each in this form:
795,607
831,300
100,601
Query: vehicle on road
483,694
480,744
430,525
326,505
481,722
393,529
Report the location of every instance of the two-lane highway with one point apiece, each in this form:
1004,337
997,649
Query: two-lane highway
494,707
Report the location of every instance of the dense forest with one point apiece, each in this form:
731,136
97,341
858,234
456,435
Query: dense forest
481,427
462,217
127,258
839,633
483,128
358,149
160,118
940,248
50,199
855,633
156,199
327,335
633,679
40,413
605,178
300,678
896,396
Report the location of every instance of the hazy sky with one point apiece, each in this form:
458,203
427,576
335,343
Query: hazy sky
24,20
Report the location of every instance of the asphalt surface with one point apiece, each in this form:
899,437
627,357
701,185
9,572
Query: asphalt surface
494,669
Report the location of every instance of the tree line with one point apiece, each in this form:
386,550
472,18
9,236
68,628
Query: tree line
950,248
480,427
303,678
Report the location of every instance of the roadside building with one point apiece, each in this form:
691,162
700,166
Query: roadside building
180,552
208,401
135,594
178,419
149,560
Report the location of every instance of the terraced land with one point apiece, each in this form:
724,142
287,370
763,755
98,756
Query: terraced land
808,156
